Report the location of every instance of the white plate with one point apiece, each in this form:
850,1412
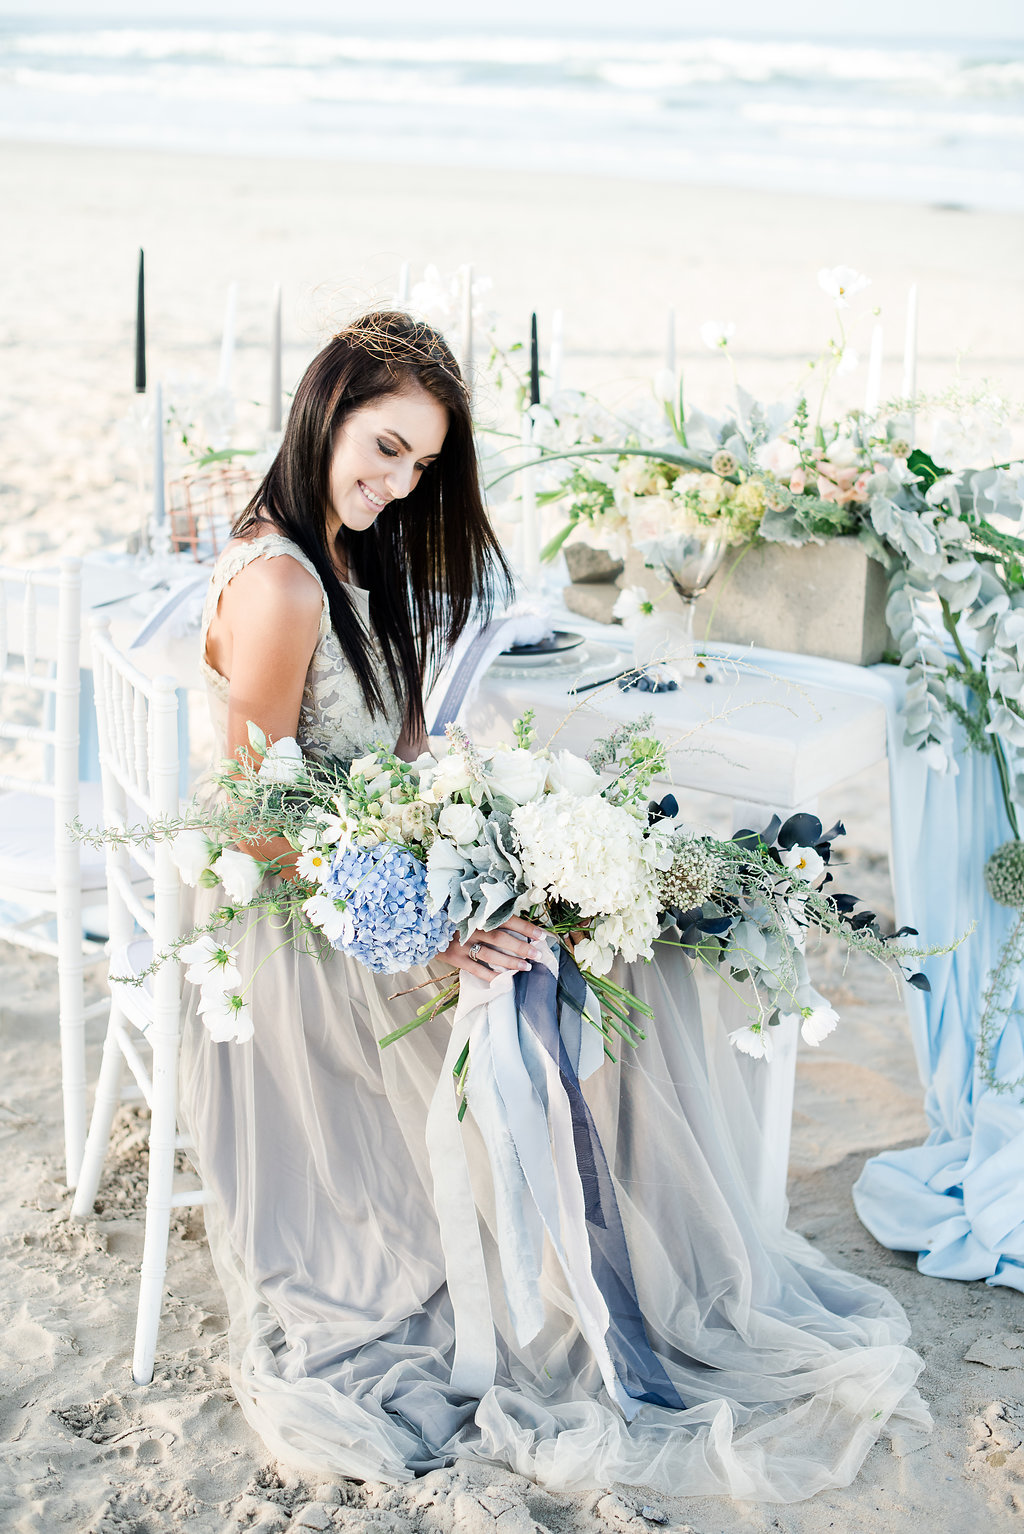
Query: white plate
589,660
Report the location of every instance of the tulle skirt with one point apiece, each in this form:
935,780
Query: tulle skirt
325,1237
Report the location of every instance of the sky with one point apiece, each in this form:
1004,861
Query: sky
924,22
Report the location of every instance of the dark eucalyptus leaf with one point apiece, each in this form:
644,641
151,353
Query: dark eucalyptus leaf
837,830
844,903
715,925
771,831
906,932
919,982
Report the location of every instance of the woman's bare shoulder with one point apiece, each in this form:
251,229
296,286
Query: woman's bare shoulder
277,583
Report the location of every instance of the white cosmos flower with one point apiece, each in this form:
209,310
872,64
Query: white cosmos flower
323,913
239,873
365,767
630,603
841,283
314,865
804,862
716,335
227,1017
755,1040
816,1023
191,853
211,965
283,762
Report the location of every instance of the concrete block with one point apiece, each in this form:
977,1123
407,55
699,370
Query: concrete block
823,599
587,565
592,600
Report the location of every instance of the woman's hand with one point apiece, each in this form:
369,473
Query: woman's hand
506,948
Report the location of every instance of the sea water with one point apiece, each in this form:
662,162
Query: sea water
940,124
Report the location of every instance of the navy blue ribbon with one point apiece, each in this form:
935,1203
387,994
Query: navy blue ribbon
639,1371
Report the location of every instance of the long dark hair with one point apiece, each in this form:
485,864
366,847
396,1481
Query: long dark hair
431,561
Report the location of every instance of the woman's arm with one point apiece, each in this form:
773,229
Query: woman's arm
262,639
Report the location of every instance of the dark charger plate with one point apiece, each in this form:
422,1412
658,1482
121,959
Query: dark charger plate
555,644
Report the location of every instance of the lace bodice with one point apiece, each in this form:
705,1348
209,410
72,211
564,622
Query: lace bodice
333,718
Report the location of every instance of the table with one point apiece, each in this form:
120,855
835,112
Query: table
763,741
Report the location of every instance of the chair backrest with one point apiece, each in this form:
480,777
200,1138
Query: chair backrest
137,719
41,656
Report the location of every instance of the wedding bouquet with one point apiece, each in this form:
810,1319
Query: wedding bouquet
396,858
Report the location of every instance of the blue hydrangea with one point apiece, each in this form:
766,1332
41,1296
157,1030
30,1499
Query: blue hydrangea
385,888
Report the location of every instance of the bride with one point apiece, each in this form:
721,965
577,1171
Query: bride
363,556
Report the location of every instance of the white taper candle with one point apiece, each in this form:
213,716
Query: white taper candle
529,526
873,390
274,412
159,508
227,342
402,296
670,341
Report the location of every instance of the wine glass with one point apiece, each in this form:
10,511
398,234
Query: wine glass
689,561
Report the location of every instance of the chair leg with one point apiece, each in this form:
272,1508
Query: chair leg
108,1096
162,1146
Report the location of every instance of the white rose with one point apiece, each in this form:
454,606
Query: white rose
842,453
191,853
365,767
450,776
240,875
461,823
804,862
517,774
573,774
283,763
778,457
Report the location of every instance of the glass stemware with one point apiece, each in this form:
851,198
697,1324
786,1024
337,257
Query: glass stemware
689,562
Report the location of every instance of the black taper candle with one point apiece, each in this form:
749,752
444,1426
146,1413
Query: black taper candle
140,330
534,363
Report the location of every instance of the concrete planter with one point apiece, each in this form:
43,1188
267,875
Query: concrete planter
823,599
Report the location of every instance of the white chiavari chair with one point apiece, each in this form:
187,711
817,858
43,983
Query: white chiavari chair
43,871
138,734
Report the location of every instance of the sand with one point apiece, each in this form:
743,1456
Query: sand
83,1448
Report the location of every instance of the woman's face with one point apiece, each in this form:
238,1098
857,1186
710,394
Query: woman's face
380,451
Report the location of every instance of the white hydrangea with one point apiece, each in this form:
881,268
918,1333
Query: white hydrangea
587,852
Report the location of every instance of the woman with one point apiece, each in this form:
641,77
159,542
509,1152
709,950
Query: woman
358,562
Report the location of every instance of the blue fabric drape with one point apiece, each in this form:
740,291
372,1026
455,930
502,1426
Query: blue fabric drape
957,1200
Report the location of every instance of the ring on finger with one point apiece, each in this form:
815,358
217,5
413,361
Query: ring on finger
474,951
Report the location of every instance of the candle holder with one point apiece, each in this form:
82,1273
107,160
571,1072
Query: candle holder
688,562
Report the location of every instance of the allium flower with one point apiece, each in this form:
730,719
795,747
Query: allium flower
1004,874
389,926
227,1017
807,864
692,876
715,335
723,464
841,283
211,965
240,874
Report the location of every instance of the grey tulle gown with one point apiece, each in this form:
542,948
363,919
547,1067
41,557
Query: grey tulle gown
326,1240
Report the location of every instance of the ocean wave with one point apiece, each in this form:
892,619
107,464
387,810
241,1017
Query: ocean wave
628,63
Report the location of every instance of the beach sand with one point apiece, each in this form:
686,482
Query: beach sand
83,1448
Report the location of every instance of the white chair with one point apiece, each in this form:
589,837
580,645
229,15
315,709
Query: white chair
138,735
43,872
